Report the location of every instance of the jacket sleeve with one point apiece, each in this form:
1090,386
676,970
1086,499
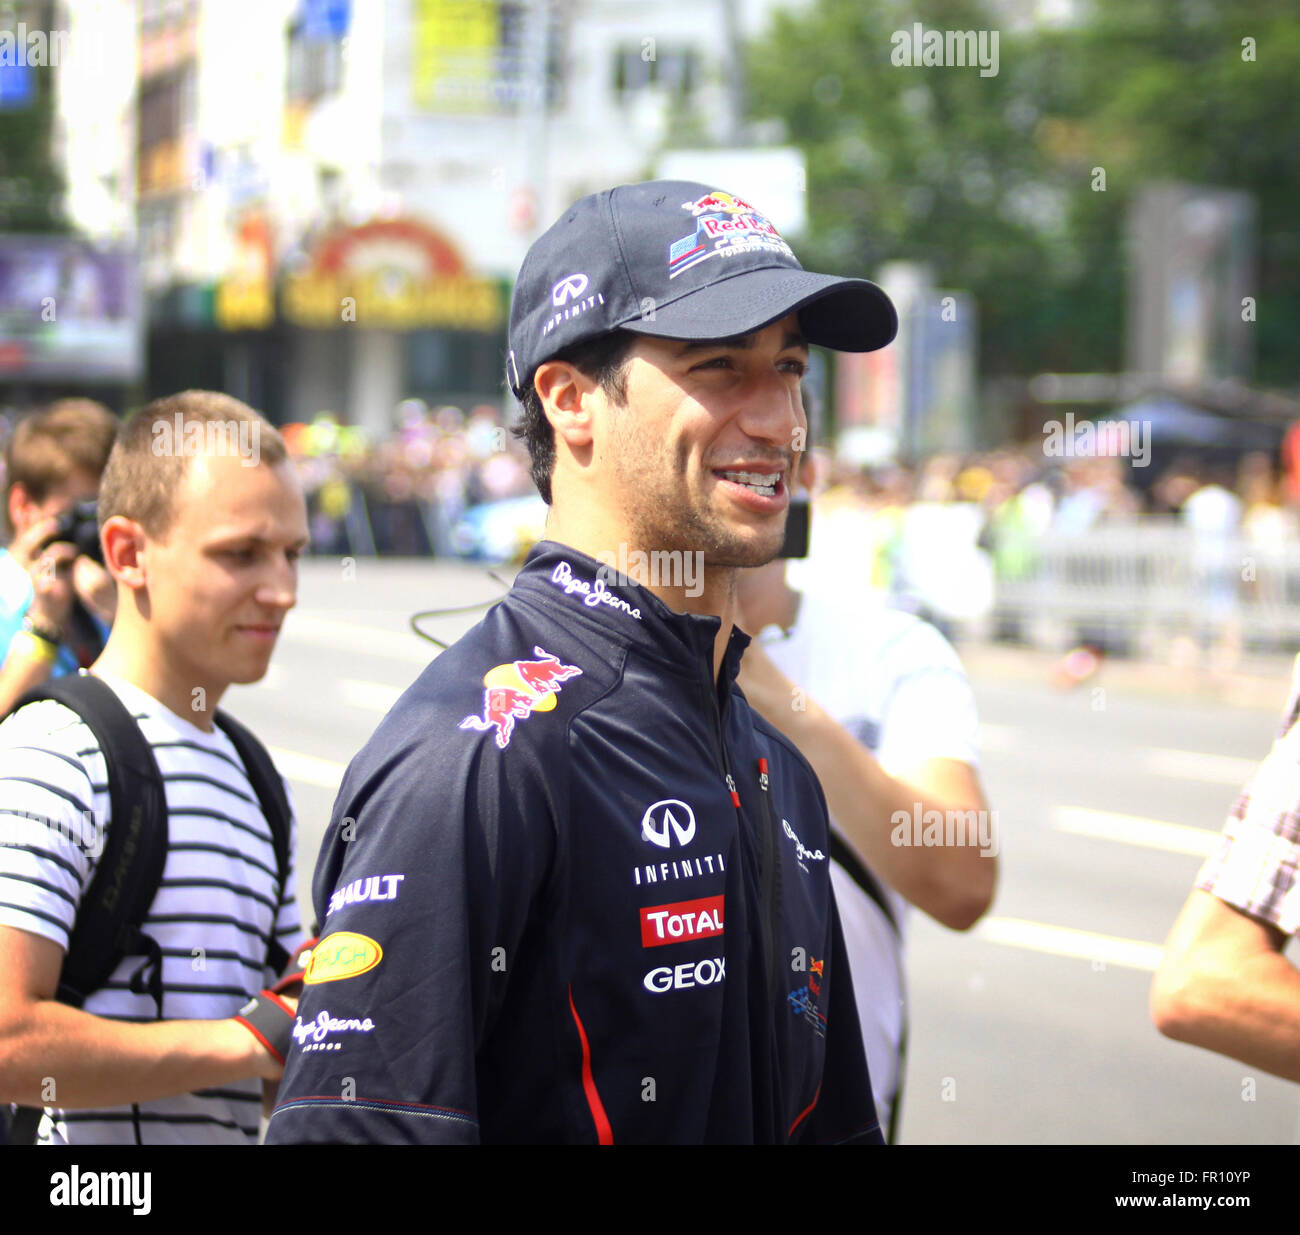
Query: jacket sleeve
438,846
845,1113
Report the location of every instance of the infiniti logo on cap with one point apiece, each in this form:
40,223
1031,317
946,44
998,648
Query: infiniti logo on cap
568,288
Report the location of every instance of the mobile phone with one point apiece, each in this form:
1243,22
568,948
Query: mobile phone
796,529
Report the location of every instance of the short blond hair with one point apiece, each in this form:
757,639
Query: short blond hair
140,482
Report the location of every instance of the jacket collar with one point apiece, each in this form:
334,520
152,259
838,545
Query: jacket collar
573,587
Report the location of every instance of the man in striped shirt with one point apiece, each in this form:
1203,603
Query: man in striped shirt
202,522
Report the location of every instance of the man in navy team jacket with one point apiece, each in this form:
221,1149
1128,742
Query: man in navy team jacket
574,889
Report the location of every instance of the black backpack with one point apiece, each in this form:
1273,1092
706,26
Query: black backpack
126,880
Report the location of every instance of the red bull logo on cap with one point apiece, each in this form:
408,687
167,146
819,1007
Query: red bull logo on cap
515,691
716,201
725,226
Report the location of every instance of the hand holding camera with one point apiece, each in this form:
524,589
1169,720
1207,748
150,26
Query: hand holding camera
65,560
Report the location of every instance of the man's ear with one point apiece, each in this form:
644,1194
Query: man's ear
18,503
807,474
124,543
563,391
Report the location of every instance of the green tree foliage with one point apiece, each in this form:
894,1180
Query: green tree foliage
31,186
991,179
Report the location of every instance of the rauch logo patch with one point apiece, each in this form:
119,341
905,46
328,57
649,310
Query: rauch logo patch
342,955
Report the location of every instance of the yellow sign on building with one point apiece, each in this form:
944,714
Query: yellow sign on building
455,54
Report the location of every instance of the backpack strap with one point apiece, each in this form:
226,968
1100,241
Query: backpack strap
858,871
125,881
130,869
274,801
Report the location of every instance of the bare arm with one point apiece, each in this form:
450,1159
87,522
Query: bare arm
952,883
28,660
1224,984
27,664
96,1062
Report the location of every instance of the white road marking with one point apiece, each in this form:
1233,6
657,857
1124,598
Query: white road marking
1066,941
398,643
1190,765
1135,830
376,696
1157,760
308,769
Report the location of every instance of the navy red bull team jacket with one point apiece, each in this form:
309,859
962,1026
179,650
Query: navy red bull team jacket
575,890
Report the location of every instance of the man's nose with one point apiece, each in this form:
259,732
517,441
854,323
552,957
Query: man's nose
773,410
280,588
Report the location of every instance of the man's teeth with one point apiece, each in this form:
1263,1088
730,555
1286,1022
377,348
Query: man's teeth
761,482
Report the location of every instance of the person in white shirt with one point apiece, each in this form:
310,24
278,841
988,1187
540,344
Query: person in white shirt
204,550
879,704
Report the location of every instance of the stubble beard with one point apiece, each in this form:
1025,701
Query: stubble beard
665,515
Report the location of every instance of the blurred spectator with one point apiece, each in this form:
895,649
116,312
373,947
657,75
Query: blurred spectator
56,602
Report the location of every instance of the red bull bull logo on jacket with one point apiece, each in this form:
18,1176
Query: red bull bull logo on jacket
515,691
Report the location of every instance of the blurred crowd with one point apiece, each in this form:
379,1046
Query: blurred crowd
410,493
1006,500
405,495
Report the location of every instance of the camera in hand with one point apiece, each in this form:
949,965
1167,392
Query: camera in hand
79,527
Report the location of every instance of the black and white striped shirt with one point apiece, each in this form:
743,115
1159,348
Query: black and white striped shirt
213,916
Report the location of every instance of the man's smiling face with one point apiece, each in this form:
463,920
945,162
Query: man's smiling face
701,456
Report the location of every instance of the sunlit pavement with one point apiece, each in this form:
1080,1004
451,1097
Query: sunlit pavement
1032,1027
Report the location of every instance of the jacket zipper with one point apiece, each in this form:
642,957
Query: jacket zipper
770,867
766,845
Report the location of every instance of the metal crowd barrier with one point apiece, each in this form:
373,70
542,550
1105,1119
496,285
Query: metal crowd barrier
1133,587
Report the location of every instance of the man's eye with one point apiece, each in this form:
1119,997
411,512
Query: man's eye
799,367
241,555
717,362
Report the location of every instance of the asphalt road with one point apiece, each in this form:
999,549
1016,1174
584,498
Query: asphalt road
1030,1029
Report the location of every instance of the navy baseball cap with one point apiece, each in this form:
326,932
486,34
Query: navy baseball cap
681,261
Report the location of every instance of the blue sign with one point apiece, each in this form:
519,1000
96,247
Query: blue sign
325,21
17,86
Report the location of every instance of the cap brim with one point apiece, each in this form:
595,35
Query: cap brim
847,315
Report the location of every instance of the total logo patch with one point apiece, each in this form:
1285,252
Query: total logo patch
683,977
344,954
681,922
515,691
